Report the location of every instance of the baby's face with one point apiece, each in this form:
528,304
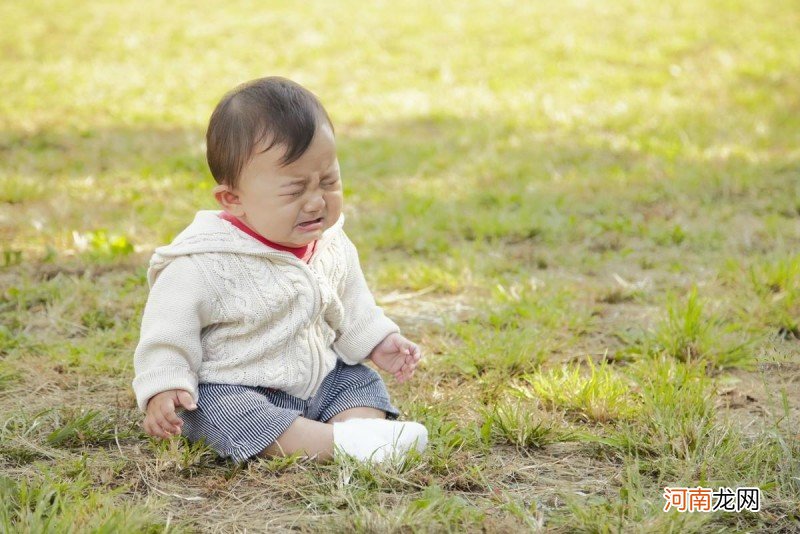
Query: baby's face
292,205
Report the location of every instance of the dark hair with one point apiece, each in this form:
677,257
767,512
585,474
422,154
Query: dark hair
273,107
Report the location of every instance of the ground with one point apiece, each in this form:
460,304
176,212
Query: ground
587,214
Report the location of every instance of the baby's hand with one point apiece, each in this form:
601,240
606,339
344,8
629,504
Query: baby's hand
396,355
161,420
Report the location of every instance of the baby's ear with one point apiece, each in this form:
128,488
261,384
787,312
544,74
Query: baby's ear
227,199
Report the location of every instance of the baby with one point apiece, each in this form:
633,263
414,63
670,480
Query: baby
259,318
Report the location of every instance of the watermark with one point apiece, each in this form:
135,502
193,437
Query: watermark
701,499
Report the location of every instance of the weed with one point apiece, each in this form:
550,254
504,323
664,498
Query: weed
432,511
8,375
423,276
19,453
522,425
85,428
24,425
182,456
18,189
600,396
777,284
688,335
103,246
8,340
636,507
98,320
676,414
51,505
510,352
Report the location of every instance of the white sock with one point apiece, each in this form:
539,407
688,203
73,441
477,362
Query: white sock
377,439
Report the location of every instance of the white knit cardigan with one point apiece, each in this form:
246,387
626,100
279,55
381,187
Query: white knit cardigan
225,308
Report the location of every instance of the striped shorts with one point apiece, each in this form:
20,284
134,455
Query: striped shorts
239,422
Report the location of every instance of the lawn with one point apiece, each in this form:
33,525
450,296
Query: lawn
587,214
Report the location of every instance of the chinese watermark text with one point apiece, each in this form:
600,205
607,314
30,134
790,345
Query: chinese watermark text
701,499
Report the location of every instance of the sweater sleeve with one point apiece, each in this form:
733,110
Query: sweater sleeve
364,324
169,352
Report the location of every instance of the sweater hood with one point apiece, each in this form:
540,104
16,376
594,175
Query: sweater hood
209,233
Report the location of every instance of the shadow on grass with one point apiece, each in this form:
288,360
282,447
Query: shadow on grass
416,185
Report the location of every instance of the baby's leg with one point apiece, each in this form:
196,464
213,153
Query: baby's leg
361,412
240,422
314,438
355,400
352,392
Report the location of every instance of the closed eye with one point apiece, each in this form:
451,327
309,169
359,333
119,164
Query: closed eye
294,193
328,181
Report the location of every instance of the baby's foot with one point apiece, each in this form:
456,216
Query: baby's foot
377,439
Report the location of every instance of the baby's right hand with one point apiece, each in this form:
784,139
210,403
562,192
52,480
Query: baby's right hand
161,420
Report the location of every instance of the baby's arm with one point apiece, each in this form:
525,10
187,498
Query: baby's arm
364,324
169,353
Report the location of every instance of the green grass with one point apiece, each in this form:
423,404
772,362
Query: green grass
777,284
531,186
43,506
599,395
522,425
686,334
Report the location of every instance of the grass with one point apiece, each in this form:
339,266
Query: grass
591,205
68,505
599,396
431,511
523,426
778,287
687,335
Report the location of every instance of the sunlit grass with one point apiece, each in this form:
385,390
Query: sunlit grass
528,184
676,412
598,394
688,334
777,283
67,505
523,425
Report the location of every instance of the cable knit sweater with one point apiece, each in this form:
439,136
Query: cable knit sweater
224,308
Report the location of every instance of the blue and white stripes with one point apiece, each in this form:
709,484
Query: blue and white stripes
241,421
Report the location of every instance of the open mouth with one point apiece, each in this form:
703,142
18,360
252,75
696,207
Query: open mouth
311,223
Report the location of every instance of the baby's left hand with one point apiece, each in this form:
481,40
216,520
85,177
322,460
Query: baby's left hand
396,355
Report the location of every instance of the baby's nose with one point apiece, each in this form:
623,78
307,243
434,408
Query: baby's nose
315,203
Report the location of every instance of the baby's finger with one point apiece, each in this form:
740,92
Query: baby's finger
168,413
165,425
150,426
407,370
409,373
185,399
155,431
170,431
